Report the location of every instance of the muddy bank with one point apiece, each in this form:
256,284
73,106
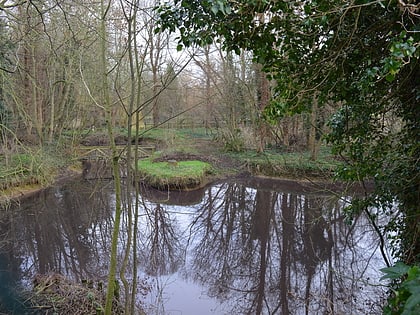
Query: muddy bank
28,190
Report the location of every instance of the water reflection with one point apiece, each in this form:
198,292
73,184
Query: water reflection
280,253
257,247
61,229
161,249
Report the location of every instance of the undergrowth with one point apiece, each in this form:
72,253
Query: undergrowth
289,164
30,166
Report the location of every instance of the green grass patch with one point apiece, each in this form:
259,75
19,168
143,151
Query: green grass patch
173,174
289,164
195,133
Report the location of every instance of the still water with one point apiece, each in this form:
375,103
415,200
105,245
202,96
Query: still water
243,246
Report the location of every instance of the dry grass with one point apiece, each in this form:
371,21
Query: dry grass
54,294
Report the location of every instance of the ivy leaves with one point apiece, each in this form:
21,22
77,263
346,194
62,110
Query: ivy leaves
406,298
220,6
401,50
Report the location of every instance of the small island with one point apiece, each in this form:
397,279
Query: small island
173,174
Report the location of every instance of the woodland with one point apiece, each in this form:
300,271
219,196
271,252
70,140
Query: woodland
301,76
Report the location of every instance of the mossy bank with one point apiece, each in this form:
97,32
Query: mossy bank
173,174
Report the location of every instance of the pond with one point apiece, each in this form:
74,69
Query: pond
242,246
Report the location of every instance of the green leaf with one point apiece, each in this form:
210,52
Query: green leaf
390,77
412,305
395,272
214,8
414,273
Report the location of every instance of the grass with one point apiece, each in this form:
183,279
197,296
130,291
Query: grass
173,174
288,164
33,166
272,162
39,166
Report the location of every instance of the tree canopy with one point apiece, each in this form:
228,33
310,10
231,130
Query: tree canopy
362,55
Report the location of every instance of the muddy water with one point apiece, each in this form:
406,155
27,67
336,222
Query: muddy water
250,246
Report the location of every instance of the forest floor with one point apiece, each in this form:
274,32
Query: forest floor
179,145
293,164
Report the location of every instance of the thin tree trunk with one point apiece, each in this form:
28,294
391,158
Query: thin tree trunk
155,58
52,110
209,106
111,287
263,97
313,145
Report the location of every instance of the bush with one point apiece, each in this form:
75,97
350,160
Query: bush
405,298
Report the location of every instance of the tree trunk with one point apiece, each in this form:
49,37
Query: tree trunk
111,286
209,103
155,59
313,141
263,98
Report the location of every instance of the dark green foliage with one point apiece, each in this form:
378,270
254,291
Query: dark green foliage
405,299
362,55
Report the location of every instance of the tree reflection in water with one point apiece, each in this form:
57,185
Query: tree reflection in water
283,253
61,229
160,250
256,248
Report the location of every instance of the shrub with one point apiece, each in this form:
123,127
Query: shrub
405,298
